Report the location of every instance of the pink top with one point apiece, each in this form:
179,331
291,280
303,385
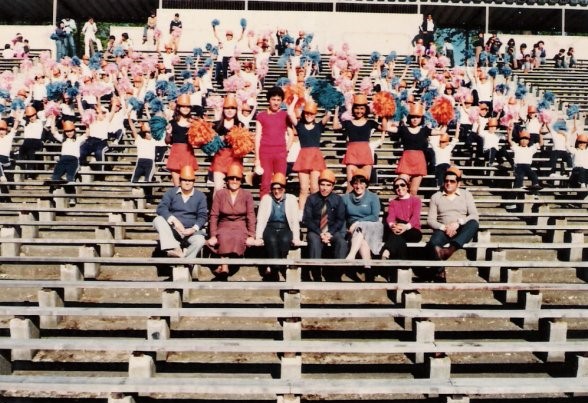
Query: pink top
273,125
405,211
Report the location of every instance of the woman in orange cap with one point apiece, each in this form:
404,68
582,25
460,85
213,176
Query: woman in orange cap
182,152
33,135
232,220
357,131
310,161
225,157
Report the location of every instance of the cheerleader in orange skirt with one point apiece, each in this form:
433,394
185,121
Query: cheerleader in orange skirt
182,152
358,131
310,161
415,140
225,157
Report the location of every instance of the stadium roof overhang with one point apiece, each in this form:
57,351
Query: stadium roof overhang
499,15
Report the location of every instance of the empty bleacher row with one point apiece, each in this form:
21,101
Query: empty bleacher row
87,314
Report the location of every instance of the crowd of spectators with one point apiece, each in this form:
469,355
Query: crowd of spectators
88,104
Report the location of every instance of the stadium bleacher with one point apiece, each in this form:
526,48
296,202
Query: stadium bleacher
86,313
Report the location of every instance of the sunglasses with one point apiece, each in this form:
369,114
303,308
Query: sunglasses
400,185
231,107
277,188
187,180
69,131
450,181
233,178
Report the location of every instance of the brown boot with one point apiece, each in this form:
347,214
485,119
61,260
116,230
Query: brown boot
445,253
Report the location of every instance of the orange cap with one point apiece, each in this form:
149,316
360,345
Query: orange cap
523,134
68,125
444,138
310,107
327,175
531,109
187,172
30,111
183,100
360,99
493,122
279,178
22,92
469,99
360,173
582,138
230,101
235,170
3,124
512,101
145,127
416,109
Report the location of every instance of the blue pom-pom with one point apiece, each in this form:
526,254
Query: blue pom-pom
430,120
149,96
243,23
283,60
429,97
187,88
197,52
401,110
315,57
208,62
75,61
560,126
4,94
189,60
375,56
55,90
384,73
543,105
186,74
408,60
307,40
491,58
310,81
549,97
156,105
506,71
483,57
208,47
2,108
158,125
572,110
416,73
135,104
94,63
282,82
172,91
161,86
213,146
214,50
391,57
325,95
201,72
501,88
425,84
215,22
521,91
287,39
72,92
118,51
492,72
17,104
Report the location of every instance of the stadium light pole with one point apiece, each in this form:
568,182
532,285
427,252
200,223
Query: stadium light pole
54,13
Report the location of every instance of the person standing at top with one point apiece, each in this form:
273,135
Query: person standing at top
89,30
70,28
427,30
226,50
151,25
175,25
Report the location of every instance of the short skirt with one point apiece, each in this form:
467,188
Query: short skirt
413,163
181,154
358,153
223,159
310,159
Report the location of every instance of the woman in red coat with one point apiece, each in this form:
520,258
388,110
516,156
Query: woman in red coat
232,220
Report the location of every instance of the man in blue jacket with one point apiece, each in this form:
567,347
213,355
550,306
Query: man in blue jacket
181,217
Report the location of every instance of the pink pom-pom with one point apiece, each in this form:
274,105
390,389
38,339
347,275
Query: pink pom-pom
125,85
474,114
176,32
443,61
366,85
111,68
233,83
345,47
341,64
251,33
125,62
44,56
88,117
461,93
506,120
175,59
215,102
135,56
157,33
344,84
26,64
498,105
66,61
545,116
52,109
346,116
431,63
354,64
457,71
234,65
330,47
135,70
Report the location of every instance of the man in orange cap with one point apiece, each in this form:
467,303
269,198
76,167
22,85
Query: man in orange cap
181,217
453,217
324,217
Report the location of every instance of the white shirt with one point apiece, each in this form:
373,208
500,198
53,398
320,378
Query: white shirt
6,143
99,129
33,130
89,30
145,148
69,25
72,146
524,155
580,157
228,48
491,140
443,155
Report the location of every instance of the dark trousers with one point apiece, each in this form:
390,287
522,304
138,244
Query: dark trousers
316,249
440,173
492,154
522,171
277,238
67,165
28,151
145,168
396,244
465,233
579,176
93,145
556,155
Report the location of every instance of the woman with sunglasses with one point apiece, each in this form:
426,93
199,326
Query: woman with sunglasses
278,227
403,220
225,157
362,211
232,220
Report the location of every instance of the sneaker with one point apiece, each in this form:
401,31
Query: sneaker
177,252
72,202
536,187
583,185
510,206
553,175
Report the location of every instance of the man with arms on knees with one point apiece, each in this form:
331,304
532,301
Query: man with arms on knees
324,217
453,217
181,216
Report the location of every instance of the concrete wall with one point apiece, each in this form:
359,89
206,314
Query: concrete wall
38,35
